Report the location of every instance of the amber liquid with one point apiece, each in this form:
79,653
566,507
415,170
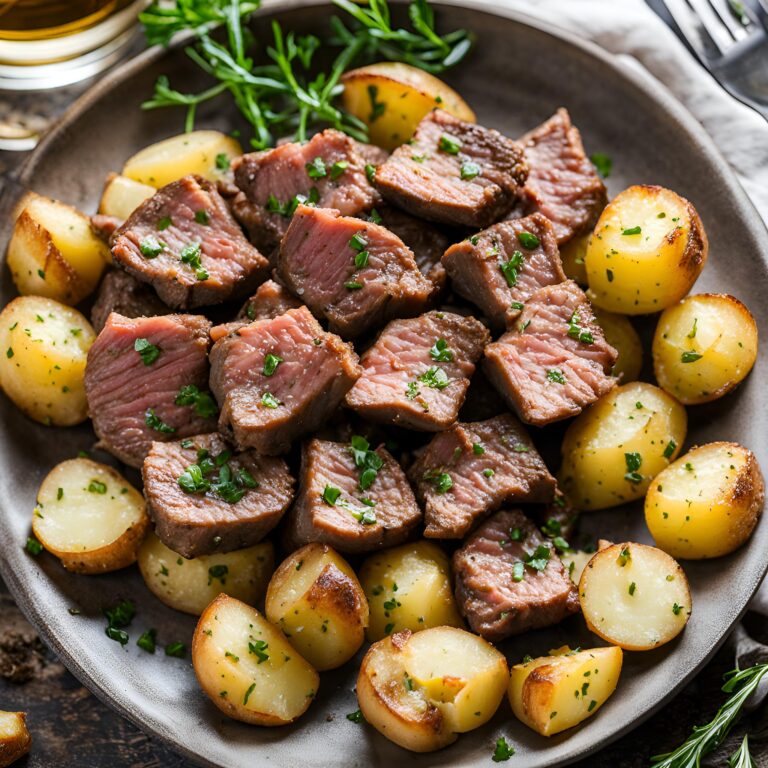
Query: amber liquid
45,19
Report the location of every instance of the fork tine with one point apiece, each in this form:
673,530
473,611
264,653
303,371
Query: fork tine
713,25
689,25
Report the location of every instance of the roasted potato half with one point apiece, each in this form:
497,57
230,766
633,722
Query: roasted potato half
391,98
634,596
704,347
707,503
90,517
15,739
43,350
622,336
421,690
614,449
317,601
646,251
247,668
553,693
205,153
54,252
572,255
409,587
190,585
575,561
122,196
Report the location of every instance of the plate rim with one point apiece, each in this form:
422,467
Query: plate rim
645,82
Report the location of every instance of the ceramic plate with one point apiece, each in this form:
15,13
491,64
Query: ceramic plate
518,75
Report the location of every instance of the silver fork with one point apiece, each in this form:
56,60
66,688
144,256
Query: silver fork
730,38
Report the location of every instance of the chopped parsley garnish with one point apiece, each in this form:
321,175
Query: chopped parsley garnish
690,357
516,534
33,546
270,364
331,495
202,403
375,216
151,247
449,144
488,473
368,462
190,254
96,486
632,588
518,571
316,169
370,172
469,170
377,107
218,572
259,649
356,717
528,240
202,217
575,331
440,353
228,485
441,480
353,285
251,689
634,461
603,163
435,378
412,390
511,269
177,650
609,275
147,352
338,168
153,422
632,231
478,449
119,617
692,333
676,609
669,449
503,751
222,161
624,557
193,481
147,640
164,223
268,400
539,558
556,375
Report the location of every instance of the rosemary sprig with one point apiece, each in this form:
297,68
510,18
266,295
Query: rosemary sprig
286,97
706,738
741,758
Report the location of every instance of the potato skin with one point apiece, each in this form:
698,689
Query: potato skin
622,336
718,332
317,601
635,274
601,442
707,503
409,587
407,93
15,739
43,351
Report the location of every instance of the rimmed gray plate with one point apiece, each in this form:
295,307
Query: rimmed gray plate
518,75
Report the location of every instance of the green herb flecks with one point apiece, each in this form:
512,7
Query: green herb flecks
202,403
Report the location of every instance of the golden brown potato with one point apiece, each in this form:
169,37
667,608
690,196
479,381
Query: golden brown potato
43,351
90,517
247,668
15,740
646,251
122,196
622,336
391,98
634,596
421,690
572,255
553,693
54,252
316,599
704,347
707,503
409,587
190,585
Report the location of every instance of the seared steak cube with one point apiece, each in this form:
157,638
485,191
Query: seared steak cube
371,154
356,274
184,241
351,497
556,519
279,379
205,498
472,469
556,361
122,293
146,380
562,182
328,171
499,268
509,579
105,226
417,373
454,172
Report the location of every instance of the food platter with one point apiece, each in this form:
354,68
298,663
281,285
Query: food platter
514,80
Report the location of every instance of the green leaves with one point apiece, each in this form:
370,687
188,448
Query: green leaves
147,352
440,352
510,269
202,403
368,462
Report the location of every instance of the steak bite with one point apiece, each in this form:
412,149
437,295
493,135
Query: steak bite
454,172
509,579
146,380
556,361
204,498
351,497
123,293
328,170
184,241
499,268
278,379
472,469
417,373
562,182
355,274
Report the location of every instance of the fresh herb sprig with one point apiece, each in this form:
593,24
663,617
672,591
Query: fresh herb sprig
741,684
285,97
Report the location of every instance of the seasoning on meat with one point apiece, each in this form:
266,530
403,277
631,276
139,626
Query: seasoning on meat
353,273
184,241
206,498
352,497
509,579
562,183
122,293
472,469
417,373
498,273
137,370
454,172
556,361
278,379
328,171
